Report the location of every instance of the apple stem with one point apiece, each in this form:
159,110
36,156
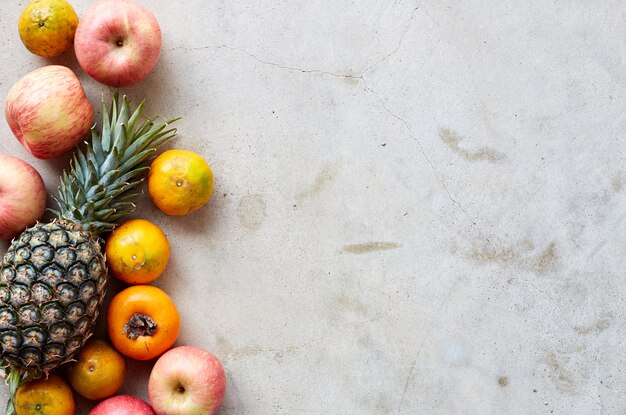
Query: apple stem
14,379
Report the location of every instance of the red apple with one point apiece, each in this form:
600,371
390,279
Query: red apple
48,111
186,380
22,196
122,405
118,42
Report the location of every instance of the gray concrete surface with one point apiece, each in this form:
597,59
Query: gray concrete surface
418,206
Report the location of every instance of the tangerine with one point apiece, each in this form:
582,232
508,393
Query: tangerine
137,251
180,182
51,396
99,370
47,27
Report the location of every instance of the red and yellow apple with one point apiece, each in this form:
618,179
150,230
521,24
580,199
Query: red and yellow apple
118,42
186,380
122,405
22,196
48,111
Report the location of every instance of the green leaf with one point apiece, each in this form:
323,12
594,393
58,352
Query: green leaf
100,186
133,118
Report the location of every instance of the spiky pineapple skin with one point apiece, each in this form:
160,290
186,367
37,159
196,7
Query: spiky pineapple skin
52,283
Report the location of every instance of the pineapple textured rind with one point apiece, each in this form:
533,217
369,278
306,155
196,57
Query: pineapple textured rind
52,283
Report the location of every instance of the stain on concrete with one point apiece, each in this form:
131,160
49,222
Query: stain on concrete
368,247
243,352
524,256
323,178
375,403
251,211
222,342
365,341
351,304
279,357
575,292
503,381
383,404
617,183
560,375
351,77
546,259
501,255
598,327
453,140
225,348
256,351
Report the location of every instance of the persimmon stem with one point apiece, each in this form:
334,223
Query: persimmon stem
139,325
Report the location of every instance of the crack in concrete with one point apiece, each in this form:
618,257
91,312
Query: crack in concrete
411,374
409,377
265,62
315,71
360,77
428,160
397,48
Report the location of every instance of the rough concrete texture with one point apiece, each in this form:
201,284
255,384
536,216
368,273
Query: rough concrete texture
418,206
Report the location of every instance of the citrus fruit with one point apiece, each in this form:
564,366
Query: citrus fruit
142,322
99,370
47,27
137,251
51,396
180,182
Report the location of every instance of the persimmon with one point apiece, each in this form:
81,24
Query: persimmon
142,322
137,251
180,182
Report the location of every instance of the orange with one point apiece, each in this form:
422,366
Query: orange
47,27
137,251
51,396
180,182
99,370
142,322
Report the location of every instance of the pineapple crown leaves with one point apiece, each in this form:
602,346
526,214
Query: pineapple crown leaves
14,378
101,184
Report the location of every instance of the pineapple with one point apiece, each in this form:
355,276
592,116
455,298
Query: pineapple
53,276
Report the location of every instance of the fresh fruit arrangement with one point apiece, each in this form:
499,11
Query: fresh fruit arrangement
54,274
